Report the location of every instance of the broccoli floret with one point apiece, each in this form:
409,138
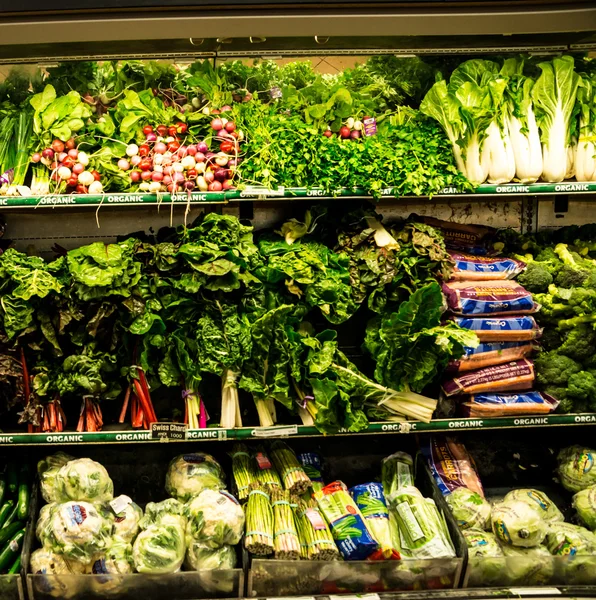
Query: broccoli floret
579,343
535,278
548,255
554,369
550,339
551,308
582,386
569,277
576,321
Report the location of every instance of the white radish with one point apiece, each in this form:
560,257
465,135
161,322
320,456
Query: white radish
202,184
350,122
96,187
86,178
131,150
154,187
64,173
188,162
177,167
83,158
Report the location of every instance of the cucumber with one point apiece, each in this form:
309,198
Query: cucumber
5,511
8,532
23,497
2,488
12,516
16,567
12,478
11,551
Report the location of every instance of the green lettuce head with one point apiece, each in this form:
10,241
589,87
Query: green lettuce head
202,558
528,566
584,503
190,474
166,512
565,539
485,558
84,480
538,500
215,518
116,559
47,469
576,468
580,570
518,524
469,508
159,549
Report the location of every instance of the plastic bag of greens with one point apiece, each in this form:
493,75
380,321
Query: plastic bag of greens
84,480
397,472
41,529
584,503
538,500
215,518
370,500
485,558
528,566
518,524
200,557
565,539
576,468
46,562
469,508
421,528
47,469
166,512
77,530
190,474
159,549
116,559
127,518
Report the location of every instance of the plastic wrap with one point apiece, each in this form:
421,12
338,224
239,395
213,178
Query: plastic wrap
159,549
470,509
528,566
485,558
518,524
565,539
489,354
84,480
190,474
584,503
576,468
47,469
200,557
46,562
116,559
166,512
537,500
469,267
126,521
215,518
501,329
502,405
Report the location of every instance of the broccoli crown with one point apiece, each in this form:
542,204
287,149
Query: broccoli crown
579,343
536,277
551,338
582,386
548,255
554,369
569,277
551,309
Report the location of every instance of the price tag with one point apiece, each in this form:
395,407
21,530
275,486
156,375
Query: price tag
263,461
120,503
168,431
275,431
315,519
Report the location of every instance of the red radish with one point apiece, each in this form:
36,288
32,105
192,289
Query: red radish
215,111
226,147
182,128
230,126
209,177
354,134
235,135
168,170
344,132
225,109
221,175
192,150
55,165
200,157
160,148
328,133
48,153
68,162
216,186
123,164
178,177
189,185
147,129
146,175
182,151
228,184
143,150
162,130
96,175
151,137
217,124
173,146
135,176
135,160
172,188
36,157
62,156
172,131
191,173
73,153
73,181
157,176
58,146
167,180
81,189
146,165
70,144
202,147
79,168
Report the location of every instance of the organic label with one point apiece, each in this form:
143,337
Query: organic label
168,431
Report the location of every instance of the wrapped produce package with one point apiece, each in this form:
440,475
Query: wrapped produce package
202,558
519,524
116,559
190,474
576,468
537,500
84,479
127,519
469,508
166,512
47,470
584,503
46,562
159,549
485,558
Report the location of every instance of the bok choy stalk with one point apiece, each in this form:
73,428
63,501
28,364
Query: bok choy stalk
230,405
554,95
585,153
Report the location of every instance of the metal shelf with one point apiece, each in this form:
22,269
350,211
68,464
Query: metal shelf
282,431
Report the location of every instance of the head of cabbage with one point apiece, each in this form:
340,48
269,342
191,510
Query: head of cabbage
190,474
469,508
565,539
538,500
518,524
576,468
166,512
584,503
116,559
485,558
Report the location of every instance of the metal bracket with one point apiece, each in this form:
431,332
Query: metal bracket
529,214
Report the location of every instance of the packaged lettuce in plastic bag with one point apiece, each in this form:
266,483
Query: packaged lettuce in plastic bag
127,516
370,500
485,558
200,557
159,549
47,469
84,480
538,500
46,562
166,512
76,530
584,503
215,518
116,559
518,524
528,566
564,539
576,468
190,474
469,508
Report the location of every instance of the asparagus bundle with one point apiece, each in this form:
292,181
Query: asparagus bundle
316,541
266,475
259,522
285,537
243,468
292,474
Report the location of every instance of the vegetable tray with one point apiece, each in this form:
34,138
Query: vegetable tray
270,578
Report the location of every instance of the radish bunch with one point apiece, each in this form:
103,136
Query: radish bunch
167,162
69,168
351,130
